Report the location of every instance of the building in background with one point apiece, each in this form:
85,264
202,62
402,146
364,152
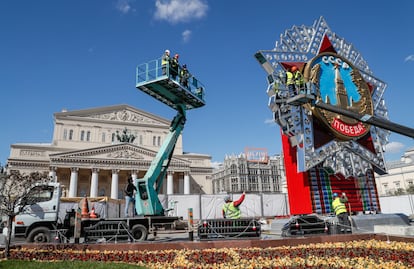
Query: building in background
252,171
87,157
400,177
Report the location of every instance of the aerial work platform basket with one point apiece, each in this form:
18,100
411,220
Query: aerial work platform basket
157,81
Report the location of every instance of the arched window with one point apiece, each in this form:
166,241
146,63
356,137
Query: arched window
82,135
70,134
88,136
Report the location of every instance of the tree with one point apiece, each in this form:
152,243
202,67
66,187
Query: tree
16,193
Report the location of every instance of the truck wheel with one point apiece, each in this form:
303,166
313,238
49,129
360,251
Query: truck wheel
39,235
139,232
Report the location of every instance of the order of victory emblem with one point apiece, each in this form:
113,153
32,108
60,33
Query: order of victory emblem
338,83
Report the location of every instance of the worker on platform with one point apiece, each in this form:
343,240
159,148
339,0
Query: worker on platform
165,60
290,80
299,80
130,191
174,66
231,208
295,81
338,205
184,76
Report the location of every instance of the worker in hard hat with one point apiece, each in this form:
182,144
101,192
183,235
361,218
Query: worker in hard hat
174,66
295,81
184,76
231,208
165,61
290,80
339,207
299,80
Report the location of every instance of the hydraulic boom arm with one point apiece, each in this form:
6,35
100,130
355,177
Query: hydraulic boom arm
146,200
154,79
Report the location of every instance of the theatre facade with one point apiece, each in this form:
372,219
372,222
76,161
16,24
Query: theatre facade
87,155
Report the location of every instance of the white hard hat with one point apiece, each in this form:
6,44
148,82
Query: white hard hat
167,51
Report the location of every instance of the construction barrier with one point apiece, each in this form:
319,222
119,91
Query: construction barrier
228,228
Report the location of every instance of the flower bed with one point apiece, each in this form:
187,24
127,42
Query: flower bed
353,254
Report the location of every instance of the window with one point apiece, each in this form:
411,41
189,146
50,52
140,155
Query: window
70,134
113,137
103,137
266,183
233,169
40,194
88,136
159,141
154,140
234,184
65,134
253,183
82,135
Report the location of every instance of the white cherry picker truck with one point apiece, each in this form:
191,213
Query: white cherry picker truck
40,222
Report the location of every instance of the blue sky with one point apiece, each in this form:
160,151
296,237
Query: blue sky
74,55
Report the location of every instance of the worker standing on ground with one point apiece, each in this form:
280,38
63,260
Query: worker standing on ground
231,208
174,66
165,60
338,205
130,191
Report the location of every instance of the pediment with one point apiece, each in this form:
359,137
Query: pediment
122,152
120,113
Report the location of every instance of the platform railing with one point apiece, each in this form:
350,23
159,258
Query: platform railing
153,70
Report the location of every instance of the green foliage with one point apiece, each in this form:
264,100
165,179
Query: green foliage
14,264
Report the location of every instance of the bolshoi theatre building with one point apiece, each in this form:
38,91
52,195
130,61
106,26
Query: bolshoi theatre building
88,159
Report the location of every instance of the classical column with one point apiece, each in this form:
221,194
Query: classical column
52,173
73,185
114,184
186,183
170,185
134,176
94,182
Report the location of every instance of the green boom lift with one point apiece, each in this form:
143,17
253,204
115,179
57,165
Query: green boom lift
155,80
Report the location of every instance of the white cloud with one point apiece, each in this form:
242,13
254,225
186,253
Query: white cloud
123,6
269,121
410,58
394,147
186,35
175,11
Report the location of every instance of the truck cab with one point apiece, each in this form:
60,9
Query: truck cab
40,215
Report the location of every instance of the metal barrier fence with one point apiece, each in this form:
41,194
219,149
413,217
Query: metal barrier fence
225,228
